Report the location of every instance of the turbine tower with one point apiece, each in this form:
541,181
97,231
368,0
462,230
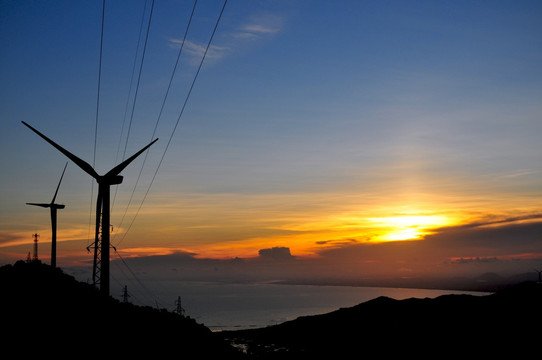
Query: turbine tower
53,207
102,203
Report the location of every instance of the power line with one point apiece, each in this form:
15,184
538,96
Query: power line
148,292
178,119
99,84
161,109
136,90
138,79
97,116
129,93
134,103
174,68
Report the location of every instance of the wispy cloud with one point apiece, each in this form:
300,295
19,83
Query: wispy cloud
259,26
519,173
196,50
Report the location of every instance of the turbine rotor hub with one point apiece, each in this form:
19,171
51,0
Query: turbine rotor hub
110,180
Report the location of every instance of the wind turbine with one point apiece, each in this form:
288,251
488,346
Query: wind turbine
102,203
53,207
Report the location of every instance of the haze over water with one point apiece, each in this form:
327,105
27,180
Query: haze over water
226,306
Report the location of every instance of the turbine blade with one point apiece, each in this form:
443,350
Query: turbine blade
79,162
56,192
117,169
39,204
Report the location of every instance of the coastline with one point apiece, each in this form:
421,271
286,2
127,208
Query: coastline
252,306
485,283
499,324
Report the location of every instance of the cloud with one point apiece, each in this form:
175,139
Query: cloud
495,220
505,248
9,238
520,172
260,26
498,246
337,242
275,253
504,236
196,50
477,259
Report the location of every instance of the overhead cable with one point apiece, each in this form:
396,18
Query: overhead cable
161,109
178,119
96,119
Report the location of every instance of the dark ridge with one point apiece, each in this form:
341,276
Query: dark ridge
45,312
506,323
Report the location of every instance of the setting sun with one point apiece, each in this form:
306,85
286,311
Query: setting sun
409,227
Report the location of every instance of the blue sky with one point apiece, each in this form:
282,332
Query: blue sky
311,122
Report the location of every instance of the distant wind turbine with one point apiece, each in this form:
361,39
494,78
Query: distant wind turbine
539,275
53,207
102,206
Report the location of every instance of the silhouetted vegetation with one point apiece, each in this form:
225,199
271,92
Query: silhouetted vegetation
47,312
466,326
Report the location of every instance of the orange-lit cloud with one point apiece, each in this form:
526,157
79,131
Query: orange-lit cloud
230,225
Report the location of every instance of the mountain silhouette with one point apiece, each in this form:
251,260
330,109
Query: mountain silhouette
505,323
48,313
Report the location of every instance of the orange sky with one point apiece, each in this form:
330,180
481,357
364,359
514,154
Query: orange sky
238,225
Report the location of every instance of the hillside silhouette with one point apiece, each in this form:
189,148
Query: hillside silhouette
45,312
48,313
506,323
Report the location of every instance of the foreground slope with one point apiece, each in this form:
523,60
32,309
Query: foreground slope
46,312
467,326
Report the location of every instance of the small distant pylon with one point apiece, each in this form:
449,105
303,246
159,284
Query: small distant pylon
539,275
178,307
35,253
125,295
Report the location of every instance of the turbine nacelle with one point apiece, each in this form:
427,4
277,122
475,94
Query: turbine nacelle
110,180
52,205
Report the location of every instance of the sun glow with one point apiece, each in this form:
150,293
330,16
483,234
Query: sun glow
408,227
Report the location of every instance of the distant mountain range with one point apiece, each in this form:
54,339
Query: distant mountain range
45,312
487,282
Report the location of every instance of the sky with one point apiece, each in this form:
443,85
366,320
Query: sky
350,139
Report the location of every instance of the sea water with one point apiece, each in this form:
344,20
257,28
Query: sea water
227,306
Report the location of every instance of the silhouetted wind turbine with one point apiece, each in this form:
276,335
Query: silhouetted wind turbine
102,202
53,207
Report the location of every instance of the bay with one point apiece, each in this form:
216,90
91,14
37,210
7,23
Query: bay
231,306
